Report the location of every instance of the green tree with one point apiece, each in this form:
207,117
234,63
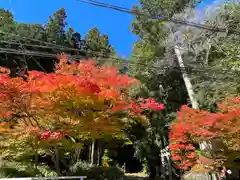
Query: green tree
55,28
217,51
97,45
11,36
33,37
6,17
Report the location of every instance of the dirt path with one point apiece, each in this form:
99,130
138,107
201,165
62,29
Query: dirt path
136,177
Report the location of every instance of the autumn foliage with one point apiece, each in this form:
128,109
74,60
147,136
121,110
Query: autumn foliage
193,126
80,100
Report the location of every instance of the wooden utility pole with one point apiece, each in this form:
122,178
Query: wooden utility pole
203,145
186,79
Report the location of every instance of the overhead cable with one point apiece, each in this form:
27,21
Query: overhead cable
159,17
129,63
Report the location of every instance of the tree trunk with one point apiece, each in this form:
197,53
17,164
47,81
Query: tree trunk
92,153
35,159
76,155
56,162
35,162
169,167
89,152
162,166
208,52
100,152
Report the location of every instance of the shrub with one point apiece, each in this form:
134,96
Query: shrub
82,168
13,172
15,169
102,173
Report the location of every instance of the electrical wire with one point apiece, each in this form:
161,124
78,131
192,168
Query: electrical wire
159,17
37,40
16,52
80,57
55,46
129,63
51,45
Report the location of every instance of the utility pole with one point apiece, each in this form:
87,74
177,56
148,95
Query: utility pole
186,79
203,145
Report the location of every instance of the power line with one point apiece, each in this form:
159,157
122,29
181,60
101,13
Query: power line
40,41
51,45
77,56
55,46
159,17
74,56
31,53
129,63
60,47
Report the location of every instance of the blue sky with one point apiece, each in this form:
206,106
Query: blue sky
82,17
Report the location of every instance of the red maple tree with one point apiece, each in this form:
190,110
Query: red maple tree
78,100
193,126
